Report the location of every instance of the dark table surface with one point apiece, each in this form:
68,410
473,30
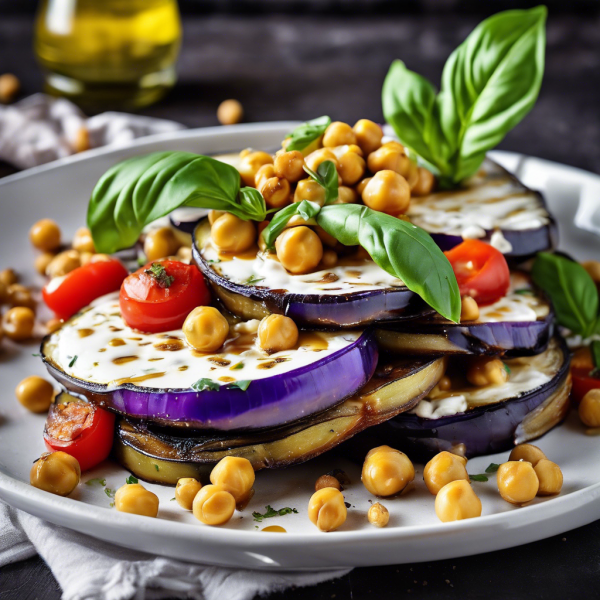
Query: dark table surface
299,67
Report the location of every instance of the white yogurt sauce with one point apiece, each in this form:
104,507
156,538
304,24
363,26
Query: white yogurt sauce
491,201
166,358
526,373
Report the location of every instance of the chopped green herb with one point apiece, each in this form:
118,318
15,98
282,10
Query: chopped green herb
492,468
73,360
272,512
142,260
36,354
253,280
131,479
96,481
482,478
111,504
213,261
110,493
158,271
205,384
156,467
243,384
506,368
237,366
172,499
524,292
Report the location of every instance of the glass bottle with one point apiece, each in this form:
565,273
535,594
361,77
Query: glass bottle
108,53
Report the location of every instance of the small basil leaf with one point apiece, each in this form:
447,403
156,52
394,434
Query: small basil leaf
482,478
489,83
400,248
242,384
140,190
571,289
308,210
205,384
278,223
492,468
307,133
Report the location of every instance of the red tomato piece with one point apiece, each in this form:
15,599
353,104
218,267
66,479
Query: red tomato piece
69,294
582,373
481,271
159,296
80,429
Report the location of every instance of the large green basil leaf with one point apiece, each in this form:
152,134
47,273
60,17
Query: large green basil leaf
327,177
306,209
401,249
490,82
571,289
140,190
409,106
307,133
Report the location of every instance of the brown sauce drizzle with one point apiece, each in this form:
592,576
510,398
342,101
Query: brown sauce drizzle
117,342
183,368
138,379
113,328
327,278
220,362
354,273
144,344
83,333
102,350
135,339
155,359
272,363
173,345
124,359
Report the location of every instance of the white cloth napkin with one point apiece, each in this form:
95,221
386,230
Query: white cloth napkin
41,128
89,569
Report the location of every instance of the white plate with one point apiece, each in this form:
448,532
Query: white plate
61,191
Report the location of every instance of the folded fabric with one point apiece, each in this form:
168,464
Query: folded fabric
89,569
41,128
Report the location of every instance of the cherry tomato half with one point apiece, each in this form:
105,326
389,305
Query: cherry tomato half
66,295
481,271
159,296
582,373
80,429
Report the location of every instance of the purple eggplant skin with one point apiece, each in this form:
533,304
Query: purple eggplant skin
357,309
516,338
267,402
477,432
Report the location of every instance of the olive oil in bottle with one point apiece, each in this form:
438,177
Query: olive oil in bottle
108,53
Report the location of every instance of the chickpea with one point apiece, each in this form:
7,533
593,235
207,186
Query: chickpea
19,295
213,215
346,195
338,134
517,482
299,249
361,185
550,477
55,472
412,175
186,490
487,371
289,165
351,167
9,87
45,235
3,293
469,309
35,394
277,333
589,408
100,258
135,499
235,475
442,469
232,234
18,323
251,163
314,159
309,189
329,259
457,501
425,183
326,509
230,112
378,515
213,505
81,143
276,192
184,254
205,329
368,135
82,241
386,471
326,238
527,452
63,263
388,192
444,384
582,359
8,277
593,269
160,243
53,324
327,481
263,174
389,158
42,261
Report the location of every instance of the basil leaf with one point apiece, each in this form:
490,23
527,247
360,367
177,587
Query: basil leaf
595,350
571,289
306,209
327,177
140,190
400,248
489,83
205,384
242,384
307,133
482,478
492,468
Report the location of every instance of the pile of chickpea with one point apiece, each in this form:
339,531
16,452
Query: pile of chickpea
377,174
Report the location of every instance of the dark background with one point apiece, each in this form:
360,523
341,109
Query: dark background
294,59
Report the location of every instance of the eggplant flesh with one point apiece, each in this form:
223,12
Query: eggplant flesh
343,310
162,456
483,429
491,201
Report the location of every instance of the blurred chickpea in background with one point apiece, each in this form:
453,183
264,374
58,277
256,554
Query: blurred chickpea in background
18,323
45,235
82,241
250,163
160,243
8,277
589,408
19,295
35,394
9,87
63,263
425,183
230,112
